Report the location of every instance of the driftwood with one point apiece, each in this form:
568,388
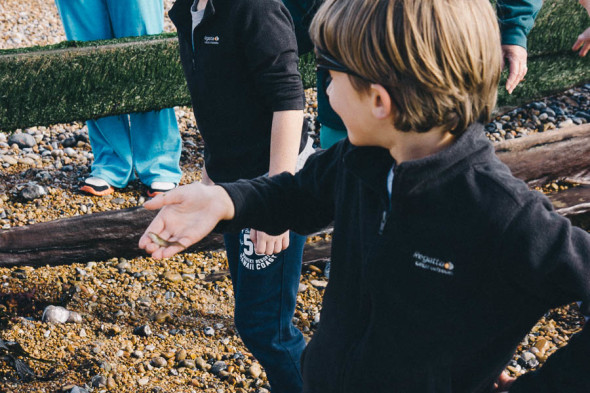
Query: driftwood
543,157
538,158
93,237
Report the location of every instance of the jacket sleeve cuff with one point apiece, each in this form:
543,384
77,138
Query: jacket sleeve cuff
514,36
233,190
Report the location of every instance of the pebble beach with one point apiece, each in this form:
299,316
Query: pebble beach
142,325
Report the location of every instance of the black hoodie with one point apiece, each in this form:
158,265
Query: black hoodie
243,68
433,291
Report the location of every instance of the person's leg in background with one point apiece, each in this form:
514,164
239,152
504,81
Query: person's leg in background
155,138
265,291
89,20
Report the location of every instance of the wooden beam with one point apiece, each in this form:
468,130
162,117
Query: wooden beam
100,236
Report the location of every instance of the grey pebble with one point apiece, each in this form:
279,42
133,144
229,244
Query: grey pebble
77,389
22,140
218,366
143,331
98,381
209,331
158,362
32,191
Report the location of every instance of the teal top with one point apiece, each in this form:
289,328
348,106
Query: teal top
516,19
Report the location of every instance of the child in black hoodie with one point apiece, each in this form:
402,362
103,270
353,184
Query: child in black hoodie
442,261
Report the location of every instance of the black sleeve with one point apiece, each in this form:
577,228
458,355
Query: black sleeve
270,49
549,260
303,202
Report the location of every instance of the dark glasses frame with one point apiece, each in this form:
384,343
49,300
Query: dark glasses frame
328,63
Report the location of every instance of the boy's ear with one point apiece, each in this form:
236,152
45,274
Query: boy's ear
380,101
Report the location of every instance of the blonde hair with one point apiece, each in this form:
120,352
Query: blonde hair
440,60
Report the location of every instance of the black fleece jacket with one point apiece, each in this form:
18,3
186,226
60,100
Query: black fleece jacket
243,69
433,291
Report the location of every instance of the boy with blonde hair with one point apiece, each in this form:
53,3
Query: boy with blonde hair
442,261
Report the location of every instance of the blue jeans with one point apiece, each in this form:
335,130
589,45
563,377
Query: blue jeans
265,291
148,142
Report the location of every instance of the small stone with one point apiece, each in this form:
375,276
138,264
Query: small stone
98,381
74,317
55,314
137,354
77,389
218,366
68,151
144,301
255,370
118,201
22,140
173,276
143,381
565,123
158,362
111,384
302,287
209,331
32,191
163,317
123,266
188,363
180,355
319,284
143,331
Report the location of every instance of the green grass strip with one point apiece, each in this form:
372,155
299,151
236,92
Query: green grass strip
85,80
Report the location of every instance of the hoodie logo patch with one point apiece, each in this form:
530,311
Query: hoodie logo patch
211,40
433,264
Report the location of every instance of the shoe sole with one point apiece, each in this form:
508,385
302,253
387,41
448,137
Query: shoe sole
152,194
90,190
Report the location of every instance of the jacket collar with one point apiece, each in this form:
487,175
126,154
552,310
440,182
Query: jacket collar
180,15
371,164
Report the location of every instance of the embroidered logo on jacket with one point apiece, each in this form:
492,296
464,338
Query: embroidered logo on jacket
433,264
211,40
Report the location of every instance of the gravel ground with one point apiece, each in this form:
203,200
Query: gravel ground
193,345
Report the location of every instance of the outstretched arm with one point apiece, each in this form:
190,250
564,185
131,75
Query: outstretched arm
187,214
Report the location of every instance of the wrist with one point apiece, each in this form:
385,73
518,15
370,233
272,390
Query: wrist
224,203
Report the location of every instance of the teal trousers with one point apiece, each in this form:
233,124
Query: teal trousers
147,143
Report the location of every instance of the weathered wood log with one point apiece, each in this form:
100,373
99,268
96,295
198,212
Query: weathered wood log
99,236
93,237
542,157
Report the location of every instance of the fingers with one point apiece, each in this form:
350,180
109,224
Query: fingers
517,64
518,70
578,44
265,244
585,49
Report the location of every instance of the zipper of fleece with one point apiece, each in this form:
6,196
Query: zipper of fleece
385,215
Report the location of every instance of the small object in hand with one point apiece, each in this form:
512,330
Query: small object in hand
161,242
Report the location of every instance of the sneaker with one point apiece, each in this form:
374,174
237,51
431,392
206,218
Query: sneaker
160,187
97,186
